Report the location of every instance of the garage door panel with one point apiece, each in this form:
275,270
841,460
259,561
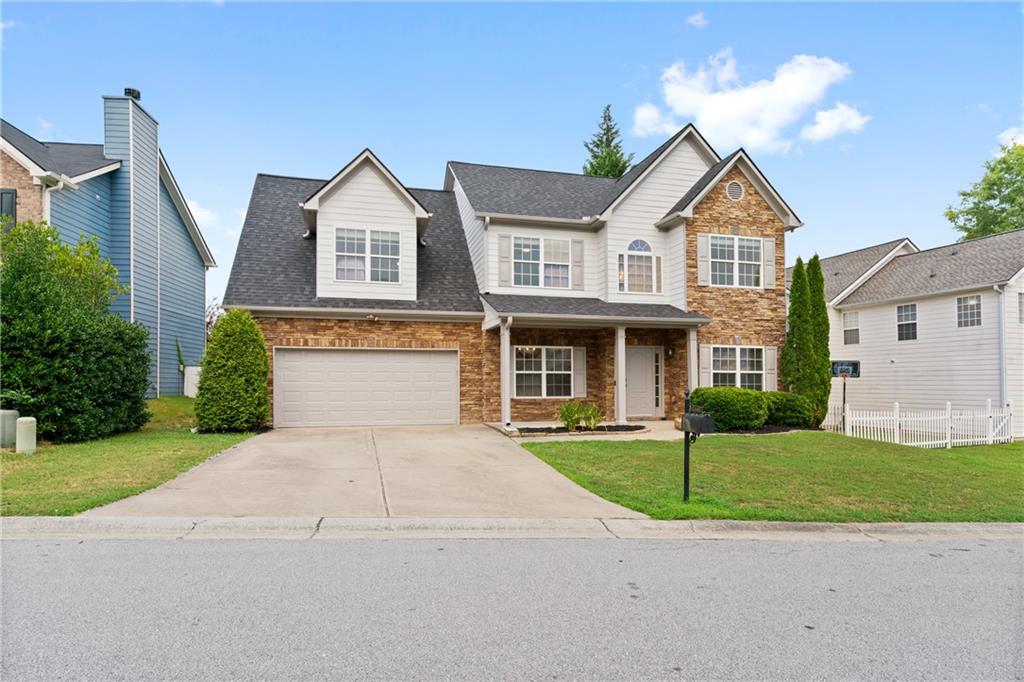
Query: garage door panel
350,387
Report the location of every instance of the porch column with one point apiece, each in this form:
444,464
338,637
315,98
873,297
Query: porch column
620,375
692,359
506,358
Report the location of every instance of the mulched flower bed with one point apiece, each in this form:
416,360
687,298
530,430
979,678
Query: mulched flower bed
610,428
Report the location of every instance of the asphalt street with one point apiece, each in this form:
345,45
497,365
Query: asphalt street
511,609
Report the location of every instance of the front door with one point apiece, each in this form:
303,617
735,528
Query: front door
641,382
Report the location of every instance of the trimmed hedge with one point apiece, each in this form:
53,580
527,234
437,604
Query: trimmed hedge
232,394
788,409
733,409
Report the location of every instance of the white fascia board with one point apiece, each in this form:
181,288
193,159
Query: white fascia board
190,222
599,321
360,313
491,317
870,272
34,169
102,170
313,202
591,223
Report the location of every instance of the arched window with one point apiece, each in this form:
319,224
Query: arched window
639,269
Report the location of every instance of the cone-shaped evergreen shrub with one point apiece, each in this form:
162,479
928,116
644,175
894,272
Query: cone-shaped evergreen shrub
819,382
233,385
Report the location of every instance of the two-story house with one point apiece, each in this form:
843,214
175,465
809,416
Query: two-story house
511,291
121,192
927,327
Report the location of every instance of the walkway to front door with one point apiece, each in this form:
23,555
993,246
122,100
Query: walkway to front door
643,381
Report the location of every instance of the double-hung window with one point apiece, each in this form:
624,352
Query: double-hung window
906,322
851,329
541,262
735,261
968,311
543,372
355,263
741,366
637,270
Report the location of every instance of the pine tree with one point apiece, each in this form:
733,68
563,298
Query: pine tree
791,358
605,148
820,370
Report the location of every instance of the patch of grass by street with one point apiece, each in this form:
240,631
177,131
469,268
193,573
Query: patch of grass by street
60,480
803,476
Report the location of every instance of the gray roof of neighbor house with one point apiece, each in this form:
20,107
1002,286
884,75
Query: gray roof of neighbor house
275,267
843,270
66,158
512,304
522,191
977,263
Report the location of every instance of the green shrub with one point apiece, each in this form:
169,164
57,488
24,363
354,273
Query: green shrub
80,370
788,409
733,409
232,394
569,414
591,416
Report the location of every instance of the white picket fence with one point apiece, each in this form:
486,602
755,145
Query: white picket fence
935,428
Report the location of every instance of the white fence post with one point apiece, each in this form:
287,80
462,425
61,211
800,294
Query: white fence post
847,426
991,422
949,425
896,422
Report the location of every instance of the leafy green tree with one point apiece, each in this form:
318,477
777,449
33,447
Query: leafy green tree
232,393
798,331
80,370
605,148
996,202
819,379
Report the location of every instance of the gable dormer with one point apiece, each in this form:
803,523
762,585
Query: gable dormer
366,225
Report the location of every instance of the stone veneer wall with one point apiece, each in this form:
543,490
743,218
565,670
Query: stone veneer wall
30,197
739,316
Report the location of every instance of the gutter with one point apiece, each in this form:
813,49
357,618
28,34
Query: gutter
373,314
1001,297
592,222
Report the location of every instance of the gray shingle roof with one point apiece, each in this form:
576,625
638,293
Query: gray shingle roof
274,266
59,157
511,304
975,263
843,270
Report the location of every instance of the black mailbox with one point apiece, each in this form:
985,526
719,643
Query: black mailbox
698,423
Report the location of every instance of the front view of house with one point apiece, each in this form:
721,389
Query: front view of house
511,291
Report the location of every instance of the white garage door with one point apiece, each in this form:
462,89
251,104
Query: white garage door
347,387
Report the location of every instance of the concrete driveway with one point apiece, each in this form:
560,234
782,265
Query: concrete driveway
443,471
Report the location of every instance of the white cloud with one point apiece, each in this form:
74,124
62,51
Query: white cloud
45,127
208,220
842,118
10,23
698,20
1011,136
755,115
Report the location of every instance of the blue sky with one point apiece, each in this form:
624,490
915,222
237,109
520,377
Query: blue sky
868,118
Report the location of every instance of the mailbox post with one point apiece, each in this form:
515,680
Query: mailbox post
694,424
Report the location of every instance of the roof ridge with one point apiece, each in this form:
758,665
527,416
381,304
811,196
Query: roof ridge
289,177
532,170
966,241
865,248
428,189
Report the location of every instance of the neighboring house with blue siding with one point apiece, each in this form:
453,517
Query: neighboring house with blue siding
123,193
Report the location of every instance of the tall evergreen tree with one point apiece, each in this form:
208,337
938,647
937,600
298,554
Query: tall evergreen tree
820,370
605,148
798,337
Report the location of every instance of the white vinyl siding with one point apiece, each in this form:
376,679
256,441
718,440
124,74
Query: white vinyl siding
560,244
366,202
476,236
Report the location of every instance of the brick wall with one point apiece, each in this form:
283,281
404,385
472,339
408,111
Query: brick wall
30,197
739,316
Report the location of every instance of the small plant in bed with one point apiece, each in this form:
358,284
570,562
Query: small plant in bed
577,417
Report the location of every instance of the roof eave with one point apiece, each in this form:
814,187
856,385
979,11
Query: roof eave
358,313
592,321
586,222
919,296
186,214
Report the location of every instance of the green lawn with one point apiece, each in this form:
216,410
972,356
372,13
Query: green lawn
59,480
806,476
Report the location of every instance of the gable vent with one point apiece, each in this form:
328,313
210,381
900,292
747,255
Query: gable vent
734,190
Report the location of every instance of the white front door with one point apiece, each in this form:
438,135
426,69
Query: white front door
640,382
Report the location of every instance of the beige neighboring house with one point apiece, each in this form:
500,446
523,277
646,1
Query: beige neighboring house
923,327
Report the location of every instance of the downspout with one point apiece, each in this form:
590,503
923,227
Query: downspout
1001,291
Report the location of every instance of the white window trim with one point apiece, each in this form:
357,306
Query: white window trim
736,262
366,256
981,319
544,373
623,260
541,262
914,322
739,371
846,328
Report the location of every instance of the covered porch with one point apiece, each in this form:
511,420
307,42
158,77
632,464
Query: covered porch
631,360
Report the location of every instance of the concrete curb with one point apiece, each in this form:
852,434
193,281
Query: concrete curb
394,528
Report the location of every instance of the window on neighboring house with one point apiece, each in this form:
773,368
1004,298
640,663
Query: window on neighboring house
906,322
543,372
735,261
968,311
533,256
354,264
851,328
9,204
740,366
637,270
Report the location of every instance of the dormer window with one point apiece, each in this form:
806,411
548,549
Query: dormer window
639,269
354,264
